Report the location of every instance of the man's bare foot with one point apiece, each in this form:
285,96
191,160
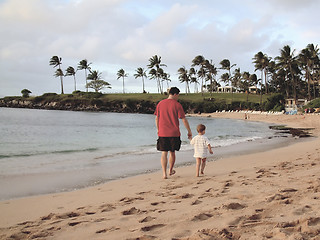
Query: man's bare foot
172,172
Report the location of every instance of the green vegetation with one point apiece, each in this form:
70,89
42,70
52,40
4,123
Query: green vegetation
314,103
288,74
25,93
144,103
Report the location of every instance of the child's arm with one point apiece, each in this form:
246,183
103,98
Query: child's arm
210,149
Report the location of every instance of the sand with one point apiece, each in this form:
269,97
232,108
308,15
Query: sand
267,195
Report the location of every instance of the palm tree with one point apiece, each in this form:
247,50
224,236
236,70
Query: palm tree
83,64
253,80
184,77
166,77
156,70
226,65
246,83
315,65
305,61
141,73
287,60
200,61
272,71
122,74
59,73
153,75
261,62
211,75
193,78
71,72
55,61
236,81
97,83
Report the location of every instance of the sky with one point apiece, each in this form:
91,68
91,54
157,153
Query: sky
115,34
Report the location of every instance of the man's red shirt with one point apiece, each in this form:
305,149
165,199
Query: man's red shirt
169,111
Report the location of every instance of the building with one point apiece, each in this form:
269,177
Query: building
226,89
253,89
294,105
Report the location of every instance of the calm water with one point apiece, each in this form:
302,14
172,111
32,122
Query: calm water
51,151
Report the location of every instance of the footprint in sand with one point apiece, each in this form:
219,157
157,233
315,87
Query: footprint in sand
234,223
68,215
234,206
226,186
313,221
127,200
144,237
303,210
157,203
286,190
49,217
278,197
215,234
71,224
184,196
152,227
146,219
131,211
287,224
196,202
202,217
233,173
252,220
90,213
107,230
309,227
107,207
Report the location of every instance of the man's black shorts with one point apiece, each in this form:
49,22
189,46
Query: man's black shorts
167,144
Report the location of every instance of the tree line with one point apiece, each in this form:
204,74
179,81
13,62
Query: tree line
292,75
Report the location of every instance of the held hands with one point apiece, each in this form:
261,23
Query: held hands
210,149
189,135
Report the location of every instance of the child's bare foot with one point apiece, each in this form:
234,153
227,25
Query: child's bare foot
172,172
202,173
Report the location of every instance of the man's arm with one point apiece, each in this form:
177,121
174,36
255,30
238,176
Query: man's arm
186,124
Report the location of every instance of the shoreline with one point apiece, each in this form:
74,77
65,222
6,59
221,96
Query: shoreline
37,184
256,196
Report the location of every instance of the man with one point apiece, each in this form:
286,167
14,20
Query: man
168,113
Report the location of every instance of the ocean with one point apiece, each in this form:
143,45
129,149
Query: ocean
49,151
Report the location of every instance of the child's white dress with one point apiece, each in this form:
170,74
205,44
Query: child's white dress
200,143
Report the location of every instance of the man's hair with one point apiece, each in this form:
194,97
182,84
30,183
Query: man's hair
201,128
174,90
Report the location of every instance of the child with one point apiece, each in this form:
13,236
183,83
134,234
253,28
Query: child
201,147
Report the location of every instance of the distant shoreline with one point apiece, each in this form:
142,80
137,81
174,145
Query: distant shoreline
140,103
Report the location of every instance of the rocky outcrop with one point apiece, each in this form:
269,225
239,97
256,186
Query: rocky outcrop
125,106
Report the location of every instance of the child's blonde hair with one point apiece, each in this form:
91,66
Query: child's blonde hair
201,128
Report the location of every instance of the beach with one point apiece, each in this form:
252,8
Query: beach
273,194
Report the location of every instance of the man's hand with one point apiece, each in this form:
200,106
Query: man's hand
189,135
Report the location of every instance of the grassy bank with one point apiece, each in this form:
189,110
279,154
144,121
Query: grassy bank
192,97
139,102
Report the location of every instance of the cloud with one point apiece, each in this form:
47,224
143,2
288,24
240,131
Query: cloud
118,34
